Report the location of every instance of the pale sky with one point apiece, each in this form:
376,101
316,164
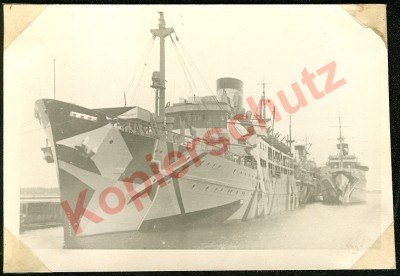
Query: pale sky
100,48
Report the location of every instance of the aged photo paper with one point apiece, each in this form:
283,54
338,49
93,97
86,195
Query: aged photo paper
189,137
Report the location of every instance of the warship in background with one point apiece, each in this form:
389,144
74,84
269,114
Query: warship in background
114,165
343,178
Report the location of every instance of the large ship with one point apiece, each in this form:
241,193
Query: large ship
201,160
343,178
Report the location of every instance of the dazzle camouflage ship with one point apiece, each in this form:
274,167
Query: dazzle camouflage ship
343,178
201,160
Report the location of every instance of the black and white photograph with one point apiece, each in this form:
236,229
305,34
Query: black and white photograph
197,137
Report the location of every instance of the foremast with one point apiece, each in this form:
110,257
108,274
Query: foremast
162,32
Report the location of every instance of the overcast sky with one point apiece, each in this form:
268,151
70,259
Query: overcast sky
99,49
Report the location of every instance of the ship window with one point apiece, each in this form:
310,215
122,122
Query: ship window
194,186
214,165
208,163
216,189
271,169
206,188
234,171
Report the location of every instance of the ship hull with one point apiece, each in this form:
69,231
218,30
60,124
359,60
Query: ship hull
343,186
307,192
107,183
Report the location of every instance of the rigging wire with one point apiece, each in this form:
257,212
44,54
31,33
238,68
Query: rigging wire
143,63
184,66
201,75
138,83
186,71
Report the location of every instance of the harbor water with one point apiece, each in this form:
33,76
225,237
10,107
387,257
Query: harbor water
314,226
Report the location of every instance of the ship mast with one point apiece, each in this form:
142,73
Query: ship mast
262,105
161,32
290,141
305,147
341,144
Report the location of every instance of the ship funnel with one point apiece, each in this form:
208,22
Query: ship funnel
230,90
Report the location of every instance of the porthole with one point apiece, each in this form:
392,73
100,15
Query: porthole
214,165
234,171
208,163
194,186
206,188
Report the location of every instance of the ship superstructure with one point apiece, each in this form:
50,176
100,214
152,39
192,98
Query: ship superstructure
202,160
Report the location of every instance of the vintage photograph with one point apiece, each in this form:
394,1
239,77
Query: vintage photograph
252,135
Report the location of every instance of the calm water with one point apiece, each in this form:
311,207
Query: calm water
316,226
